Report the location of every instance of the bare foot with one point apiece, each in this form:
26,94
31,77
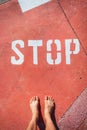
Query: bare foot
49,106
34,106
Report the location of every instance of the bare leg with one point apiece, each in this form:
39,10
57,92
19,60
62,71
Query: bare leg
49,108
34,106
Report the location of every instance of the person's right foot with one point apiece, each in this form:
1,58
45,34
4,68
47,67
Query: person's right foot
49,106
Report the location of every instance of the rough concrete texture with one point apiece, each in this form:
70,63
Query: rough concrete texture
76,115
83,126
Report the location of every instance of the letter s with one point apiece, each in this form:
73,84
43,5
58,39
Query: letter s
21,56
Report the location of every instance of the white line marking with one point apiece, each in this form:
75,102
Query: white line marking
30,4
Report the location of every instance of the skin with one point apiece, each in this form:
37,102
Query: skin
48,111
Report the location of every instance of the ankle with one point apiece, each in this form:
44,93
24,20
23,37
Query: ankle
47,116
48,120
34,119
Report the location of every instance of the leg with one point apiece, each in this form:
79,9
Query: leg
49,108
34,106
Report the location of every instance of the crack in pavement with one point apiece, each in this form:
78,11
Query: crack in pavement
71,26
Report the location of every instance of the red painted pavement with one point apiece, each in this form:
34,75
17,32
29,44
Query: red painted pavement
19,83
76,13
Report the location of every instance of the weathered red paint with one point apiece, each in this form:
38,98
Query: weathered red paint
19,83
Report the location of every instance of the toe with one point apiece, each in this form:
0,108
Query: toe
52,99
49,98
37,98
46,97
32,99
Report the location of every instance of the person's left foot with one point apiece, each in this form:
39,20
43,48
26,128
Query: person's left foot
34,106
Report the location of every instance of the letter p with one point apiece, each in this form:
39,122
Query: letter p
68,52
